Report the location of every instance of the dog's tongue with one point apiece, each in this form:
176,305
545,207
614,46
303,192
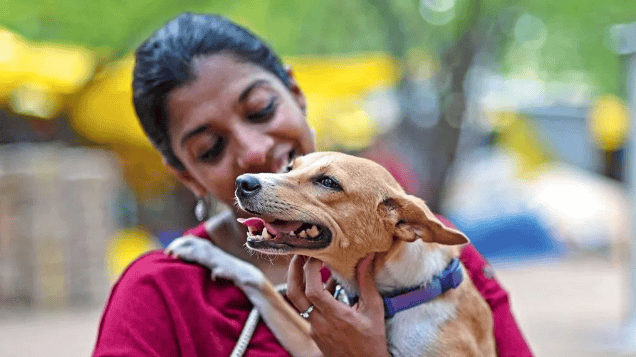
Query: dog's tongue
255,222
259,223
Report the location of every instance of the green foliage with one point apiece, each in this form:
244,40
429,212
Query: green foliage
105,24
577,37
576,29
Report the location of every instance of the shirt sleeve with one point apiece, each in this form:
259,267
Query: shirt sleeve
136,320
508,337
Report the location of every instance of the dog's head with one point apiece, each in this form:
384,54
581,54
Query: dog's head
334,207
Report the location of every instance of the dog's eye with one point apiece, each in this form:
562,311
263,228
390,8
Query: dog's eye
328,182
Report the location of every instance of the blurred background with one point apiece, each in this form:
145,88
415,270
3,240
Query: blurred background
512,118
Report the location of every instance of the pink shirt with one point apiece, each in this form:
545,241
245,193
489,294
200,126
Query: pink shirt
161,306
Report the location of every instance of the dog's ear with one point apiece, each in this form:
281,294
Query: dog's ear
412,219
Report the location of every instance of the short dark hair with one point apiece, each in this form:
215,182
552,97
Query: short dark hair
164,62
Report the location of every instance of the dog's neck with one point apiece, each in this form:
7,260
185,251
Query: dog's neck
405,265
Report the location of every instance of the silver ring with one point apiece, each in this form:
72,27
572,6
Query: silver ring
305,314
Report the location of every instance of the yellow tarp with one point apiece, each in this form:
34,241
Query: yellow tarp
334,87
104,112
35,77
609,122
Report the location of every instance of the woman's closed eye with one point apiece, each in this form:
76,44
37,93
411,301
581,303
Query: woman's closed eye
264,114
213,154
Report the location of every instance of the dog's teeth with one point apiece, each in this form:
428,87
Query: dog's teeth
302,234
251,230
266,234
292,234
313,232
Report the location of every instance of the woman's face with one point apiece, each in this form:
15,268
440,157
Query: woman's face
235,118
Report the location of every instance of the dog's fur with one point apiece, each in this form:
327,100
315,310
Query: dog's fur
365,211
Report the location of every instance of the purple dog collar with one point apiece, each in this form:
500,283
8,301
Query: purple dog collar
450,278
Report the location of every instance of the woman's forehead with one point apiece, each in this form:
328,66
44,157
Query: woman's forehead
221,82
227,68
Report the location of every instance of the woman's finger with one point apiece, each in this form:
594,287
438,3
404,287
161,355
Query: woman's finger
296,283
315,290
370,299
341,330
296,290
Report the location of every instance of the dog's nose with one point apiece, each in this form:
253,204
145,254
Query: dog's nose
247,185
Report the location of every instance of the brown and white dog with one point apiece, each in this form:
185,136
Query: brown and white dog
338,208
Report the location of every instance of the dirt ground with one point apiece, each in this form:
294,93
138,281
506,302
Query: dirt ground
568,308
572,308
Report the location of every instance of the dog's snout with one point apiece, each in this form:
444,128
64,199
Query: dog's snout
247,185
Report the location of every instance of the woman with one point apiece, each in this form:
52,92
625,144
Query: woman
216,102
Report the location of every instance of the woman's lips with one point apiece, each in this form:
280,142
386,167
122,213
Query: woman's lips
284,160
279,164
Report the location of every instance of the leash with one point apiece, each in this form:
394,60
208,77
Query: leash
250,327
246,334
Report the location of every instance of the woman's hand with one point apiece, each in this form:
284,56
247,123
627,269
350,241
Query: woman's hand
338,329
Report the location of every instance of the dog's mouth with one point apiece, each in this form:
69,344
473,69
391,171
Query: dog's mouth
282,237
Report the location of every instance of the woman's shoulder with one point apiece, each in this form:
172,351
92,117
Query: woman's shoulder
168,274
164,292
158,281
156,262
155,267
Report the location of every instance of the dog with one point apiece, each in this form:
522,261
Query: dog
339,208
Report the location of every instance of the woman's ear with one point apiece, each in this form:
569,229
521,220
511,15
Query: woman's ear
188,180
295,90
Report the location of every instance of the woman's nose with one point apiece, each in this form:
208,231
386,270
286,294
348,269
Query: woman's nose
254,149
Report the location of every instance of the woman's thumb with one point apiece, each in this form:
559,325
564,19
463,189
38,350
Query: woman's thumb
369,296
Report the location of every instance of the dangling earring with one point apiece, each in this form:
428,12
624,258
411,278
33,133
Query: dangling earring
201,209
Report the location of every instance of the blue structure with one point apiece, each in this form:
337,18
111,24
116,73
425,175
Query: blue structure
510,238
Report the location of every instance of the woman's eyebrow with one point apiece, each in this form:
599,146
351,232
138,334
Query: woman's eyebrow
192,133
257,83
242,98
